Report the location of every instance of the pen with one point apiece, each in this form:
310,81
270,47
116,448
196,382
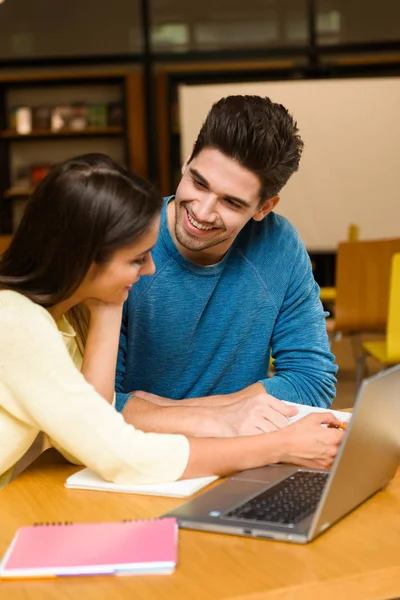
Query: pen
342,426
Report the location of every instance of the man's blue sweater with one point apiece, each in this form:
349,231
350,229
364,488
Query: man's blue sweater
191,330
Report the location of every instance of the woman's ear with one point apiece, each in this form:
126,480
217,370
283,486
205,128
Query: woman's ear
266,208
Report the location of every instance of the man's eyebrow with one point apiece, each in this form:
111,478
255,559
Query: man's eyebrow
196,174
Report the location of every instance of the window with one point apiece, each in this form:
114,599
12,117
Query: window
55,28
357,21
181,26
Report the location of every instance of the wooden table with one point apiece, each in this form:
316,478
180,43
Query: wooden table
358,559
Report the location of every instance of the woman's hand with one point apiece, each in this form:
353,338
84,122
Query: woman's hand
99,307
308,444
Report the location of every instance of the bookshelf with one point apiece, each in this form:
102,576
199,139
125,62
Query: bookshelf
18,192
45,133
98,111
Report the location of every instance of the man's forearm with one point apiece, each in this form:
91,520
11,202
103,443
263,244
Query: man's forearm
189,420
210,401
225,399
254,412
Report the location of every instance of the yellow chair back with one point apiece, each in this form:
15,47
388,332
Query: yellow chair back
393,327
353,233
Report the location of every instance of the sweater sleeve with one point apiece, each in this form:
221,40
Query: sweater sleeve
120,396
304,366
51,395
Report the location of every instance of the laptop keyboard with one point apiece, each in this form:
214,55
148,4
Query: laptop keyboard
287,502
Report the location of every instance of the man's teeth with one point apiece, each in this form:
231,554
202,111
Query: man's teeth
196,224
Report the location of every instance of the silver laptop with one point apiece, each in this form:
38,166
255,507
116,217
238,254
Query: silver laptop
293,504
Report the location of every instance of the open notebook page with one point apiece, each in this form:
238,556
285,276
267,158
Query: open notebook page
88,480
307,410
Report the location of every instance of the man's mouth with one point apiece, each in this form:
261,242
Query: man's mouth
197,224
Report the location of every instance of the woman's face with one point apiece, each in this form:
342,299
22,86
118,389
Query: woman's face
111,282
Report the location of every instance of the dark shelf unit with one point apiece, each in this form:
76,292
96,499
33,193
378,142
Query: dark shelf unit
64,133
129,86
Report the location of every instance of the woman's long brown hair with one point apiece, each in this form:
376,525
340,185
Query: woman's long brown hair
81,213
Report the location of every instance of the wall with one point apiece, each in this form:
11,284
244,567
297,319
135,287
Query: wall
350,167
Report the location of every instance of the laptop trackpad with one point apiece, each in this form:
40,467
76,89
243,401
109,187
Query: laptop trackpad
266,474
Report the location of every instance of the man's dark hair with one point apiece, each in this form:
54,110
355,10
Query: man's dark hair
257,133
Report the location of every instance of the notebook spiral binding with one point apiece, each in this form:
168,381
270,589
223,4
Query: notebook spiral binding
62,523
48,524
140,520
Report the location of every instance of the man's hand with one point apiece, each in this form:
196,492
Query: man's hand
308,444
261,413
247,412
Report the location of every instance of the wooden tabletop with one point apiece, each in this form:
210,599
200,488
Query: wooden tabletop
357,559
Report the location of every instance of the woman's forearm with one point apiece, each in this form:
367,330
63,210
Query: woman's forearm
101,349
304,443
227,455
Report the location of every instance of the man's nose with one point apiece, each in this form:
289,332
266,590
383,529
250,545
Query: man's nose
205,209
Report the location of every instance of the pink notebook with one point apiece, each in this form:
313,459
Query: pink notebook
127,547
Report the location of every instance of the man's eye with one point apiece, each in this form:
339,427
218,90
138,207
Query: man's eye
232,203
198,184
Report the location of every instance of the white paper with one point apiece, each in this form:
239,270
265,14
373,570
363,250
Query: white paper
308,410
88,480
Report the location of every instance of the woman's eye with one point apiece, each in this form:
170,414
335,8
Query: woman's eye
139,261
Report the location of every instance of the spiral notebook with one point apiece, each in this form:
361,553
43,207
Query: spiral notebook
89,480
121,548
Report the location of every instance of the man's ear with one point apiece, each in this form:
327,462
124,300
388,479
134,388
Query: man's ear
266,208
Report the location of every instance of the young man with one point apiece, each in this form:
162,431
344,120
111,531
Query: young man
233,283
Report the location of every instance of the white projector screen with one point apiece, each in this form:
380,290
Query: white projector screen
350,168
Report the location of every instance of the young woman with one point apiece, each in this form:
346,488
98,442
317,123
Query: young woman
85,239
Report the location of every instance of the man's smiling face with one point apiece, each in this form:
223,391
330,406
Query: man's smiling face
214,200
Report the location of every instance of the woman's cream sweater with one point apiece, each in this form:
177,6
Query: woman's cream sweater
41,389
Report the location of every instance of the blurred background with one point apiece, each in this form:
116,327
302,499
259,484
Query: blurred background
135,79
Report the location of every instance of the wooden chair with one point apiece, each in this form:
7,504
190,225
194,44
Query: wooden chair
362,288
328,294
4,242
387,352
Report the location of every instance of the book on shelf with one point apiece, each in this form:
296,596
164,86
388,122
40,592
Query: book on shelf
77,116
41,117
61,117
39,172
79,119
97,115
21,120
115,116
